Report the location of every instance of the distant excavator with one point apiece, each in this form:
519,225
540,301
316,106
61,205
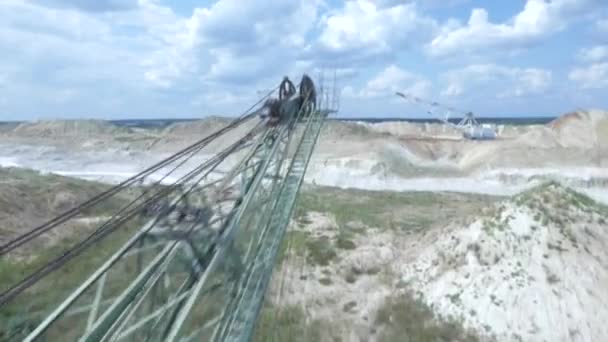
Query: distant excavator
469,126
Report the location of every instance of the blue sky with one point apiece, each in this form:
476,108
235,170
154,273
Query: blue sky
119,59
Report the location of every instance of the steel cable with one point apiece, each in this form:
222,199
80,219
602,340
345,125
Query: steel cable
62,218
99,234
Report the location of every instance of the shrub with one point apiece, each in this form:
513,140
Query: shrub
343,242
403,318
320,251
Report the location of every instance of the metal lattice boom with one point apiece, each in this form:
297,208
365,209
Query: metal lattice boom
202,274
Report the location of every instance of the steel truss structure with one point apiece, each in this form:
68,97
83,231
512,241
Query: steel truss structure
202,275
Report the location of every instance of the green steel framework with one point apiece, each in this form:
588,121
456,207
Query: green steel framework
204,280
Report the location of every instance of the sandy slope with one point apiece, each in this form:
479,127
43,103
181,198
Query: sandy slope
533,268
385,156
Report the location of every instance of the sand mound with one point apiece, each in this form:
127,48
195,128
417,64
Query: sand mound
532,268
28,199
336,129
180,135
540,137
409,129
567,119
582,129
200,127
59,128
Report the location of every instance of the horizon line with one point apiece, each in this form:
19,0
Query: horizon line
329,118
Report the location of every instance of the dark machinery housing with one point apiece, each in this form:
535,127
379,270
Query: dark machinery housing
290,101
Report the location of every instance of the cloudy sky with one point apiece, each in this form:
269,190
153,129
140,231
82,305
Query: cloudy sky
118,59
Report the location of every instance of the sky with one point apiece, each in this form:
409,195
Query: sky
125,59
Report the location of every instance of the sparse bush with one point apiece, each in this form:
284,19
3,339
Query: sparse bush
320,251
476,249
287,324
350,278
296,241
344,242
326,281
373,270
349,306
369,208
454,298
304,220
552,279
404,318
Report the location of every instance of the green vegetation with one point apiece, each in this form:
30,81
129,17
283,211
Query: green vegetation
350,277
296,242
28,198
50,291
544,200
348,307
287,324
344,241
551,277
320,251
326,281
401,319
368,207
374,209
562,197
402,212
404,319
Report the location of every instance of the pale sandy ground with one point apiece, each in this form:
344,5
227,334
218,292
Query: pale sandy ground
385,156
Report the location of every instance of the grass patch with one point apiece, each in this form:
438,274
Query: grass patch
551,277
344,241
350,278
403,318
348,307
26,311
42,197
288,324
367,207
326,281
320,251
296,242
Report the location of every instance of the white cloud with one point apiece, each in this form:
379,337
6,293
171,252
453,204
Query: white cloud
49,22
537,20
453,89
252,25
68,62
594,76
501,81
142,58
364,28
259,41
594,54
91,5
389,81
431,4
53,46
63,49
